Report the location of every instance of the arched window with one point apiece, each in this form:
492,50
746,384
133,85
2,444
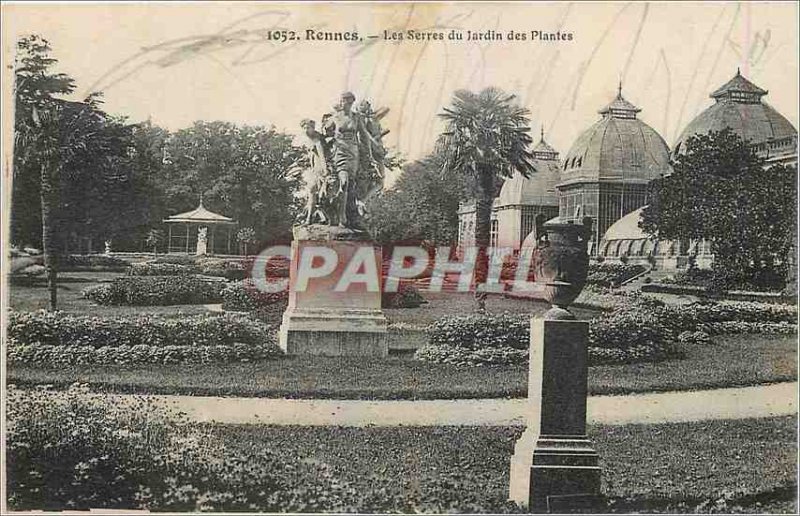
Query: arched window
580,161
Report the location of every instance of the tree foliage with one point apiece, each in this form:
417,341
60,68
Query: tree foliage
421,206
243,172
721,190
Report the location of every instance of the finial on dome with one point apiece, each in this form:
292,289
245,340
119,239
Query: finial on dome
201,199
738,72
619,89
542,131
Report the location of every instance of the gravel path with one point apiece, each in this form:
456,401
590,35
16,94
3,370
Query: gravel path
735,403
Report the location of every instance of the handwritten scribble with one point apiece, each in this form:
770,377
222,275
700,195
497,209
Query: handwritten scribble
696,68
173,52
595,49
635,41
715,63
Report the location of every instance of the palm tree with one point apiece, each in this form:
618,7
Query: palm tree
487,139
56,139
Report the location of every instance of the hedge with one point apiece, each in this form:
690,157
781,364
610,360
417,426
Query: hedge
56,338
733,295
229,269
484,339
244,296
91,262
156,290
642,330
159,269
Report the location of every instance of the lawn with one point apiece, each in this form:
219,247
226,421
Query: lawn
35,296
734,360
720,466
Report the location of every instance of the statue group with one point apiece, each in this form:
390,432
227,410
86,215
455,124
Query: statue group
345,163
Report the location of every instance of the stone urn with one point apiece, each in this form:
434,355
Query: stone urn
561,262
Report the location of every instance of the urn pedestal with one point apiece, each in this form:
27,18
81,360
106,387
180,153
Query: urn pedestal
554,464
322,319
555,469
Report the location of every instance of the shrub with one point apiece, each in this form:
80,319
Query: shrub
244,296
156,290
56,338
407,296
74,450
609,274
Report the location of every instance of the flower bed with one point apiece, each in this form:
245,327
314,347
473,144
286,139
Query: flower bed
77,451
640,331
156,290
54,338
725,327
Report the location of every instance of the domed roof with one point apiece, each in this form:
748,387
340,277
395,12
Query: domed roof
540,188
739,106
618,147
626,228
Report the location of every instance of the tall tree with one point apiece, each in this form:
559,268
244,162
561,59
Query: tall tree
486,139
36,146
721,191
56,141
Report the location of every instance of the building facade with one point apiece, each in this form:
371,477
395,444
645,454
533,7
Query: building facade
607,170
606,173
738,105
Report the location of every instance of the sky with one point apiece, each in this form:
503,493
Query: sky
182,62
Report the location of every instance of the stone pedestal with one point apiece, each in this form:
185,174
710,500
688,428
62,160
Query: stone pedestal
554,467
323,321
